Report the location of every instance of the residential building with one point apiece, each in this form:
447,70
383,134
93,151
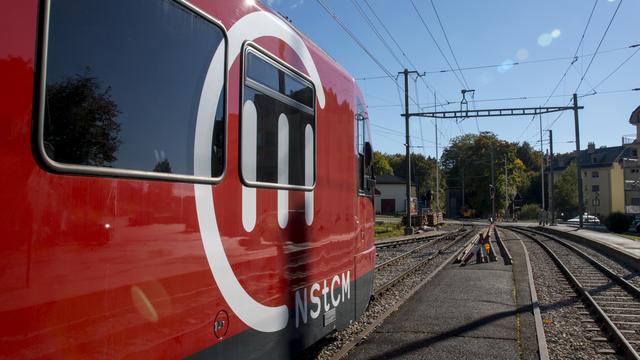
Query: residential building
602,177
610,175
632,167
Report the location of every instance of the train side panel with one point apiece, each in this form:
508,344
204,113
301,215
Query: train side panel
107,265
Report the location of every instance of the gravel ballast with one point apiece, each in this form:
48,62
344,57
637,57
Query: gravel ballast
563,313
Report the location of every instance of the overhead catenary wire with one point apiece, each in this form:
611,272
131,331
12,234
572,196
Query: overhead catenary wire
444,32
515,63
550,125
404,54
424,23
376,32
337,20
593,89
564,75
599,44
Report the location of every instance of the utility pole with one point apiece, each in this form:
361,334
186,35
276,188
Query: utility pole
408,230
541,165
462,171
493,185
551,208
437,159
577,127
506,190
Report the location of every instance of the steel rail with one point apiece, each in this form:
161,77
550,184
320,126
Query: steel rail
414,239
503,249
623,344
417,248
543,350
402,275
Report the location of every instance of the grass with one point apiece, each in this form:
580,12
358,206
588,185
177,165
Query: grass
385,231
631,236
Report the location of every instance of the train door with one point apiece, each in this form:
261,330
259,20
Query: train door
364,249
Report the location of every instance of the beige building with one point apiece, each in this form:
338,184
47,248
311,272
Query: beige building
610,175
602,178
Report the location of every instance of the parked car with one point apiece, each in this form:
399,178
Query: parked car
591,219
636,225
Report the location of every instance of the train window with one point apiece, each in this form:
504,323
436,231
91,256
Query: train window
363,140
123,85
277,125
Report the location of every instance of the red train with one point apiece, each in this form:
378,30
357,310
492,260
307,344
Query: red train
179,179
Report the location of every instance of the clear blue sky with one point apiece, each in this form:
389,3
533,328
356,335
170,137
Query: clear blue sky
486,33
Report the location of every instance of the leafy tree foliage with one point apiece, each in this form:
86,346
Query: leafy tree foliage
423,173
469,157
75,107
381,164
566,192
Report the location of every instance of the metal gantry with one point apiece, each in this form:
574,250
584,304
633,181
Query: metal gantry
517,111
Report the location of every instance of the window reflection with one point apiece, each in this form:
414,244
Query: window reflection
142,66
282,125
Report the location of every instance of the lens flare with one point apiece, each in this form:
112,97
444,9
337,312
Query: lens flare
505,66
522,54
555,33
545,39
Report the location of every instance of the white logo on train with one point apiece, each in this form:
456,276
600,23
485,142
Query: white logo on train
308,301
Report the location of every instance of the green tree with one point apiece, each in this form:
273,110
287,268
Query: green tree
423,175
75,107
381,164
469,157
565,192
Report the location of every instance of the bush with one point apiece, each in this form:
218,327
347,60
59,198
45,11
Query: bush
529,212
617,222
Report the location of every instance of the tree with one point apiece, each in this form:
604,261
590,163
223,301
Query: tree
381,164
565,192
81,124
472,154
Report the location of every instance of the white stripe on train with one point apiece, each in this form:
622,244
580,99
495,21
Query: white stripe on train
252,26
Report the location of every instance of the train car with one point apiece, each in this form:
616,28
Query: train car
180,179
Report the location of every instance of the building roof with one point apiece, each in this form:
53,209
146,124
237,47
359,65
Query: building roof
389,179
634,119
600,157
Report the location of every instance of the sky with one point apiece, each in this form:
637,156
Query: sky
494,32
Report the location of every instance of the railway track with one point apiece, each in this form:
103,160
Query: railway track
414,239
407,262
612,301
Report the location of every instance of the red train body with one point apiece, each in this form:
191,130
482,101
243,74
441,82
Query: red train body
178,179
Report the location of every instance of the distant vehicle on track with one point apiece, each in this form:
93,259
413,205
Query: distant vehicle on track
183,178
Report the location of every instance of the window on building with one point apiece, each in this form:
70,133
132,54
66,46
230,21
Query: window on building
635,201
277,125
121,98
595,174
595,188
